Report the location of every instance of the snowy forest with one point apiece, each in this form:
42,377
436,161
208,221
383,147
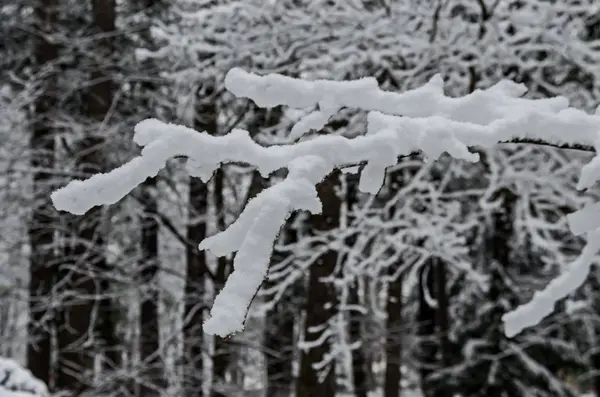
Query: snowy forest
402,293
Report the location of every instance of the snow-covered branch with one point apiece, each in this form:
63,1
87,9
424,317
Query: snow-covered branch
15,381
423,119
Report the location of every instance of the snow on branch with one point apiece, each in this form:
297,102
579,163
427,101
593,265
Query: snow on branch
423,119
16,381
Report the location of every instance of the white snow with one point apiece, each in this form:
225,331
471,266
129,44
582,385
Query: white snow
253,235
398,123
543,301
19,382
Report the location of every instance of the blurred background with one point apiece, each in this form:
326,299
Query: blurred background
395,295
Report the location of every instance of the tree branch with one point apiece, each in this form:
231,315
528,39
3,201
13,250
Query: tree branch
571,146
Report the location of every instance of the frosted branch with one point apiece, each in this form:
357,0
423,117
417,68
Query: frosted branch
432,123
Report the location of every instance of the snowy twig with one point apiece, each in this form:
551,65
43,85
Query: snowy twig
432,124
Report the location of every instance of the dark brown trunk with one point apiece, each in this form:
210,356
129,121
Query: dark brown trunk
222,357
151,379
194,291
280,321
595,360
393,338
85,278
359,369
394,324
321,298
279,328
442,319
41,234
152,374
279,344
357,319
205,120
426,316
100,102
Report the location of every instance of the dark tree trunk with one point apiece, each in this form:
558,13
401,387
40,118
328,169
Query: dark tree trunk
100,102
595,360
85,277
357,319
279,327
279,343
359,362
321,298
152,376
222,357
205,120
393,338
41,230
497,245
594,293
442,320
280,321
194,291
394,324
426,316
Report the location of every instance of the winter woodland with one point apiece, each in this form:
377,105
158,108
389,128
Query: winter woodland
354,198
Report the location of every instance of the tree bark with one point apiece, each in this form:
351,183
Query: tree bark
41,233
152,373
152,376
222,357
442,318
279,342
194,291
426,316
359,361
279,327
321,298
357,319
86,284
393,337
205,120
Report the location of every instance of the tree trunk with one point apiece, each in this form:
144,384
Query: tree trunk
442,320
359,369
357,319
85,278
279,343
595,361
152,376
194,291
426,316
321,299
41,230
394,323
279,327
152,373
393,337
205,120
497,245
222,357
